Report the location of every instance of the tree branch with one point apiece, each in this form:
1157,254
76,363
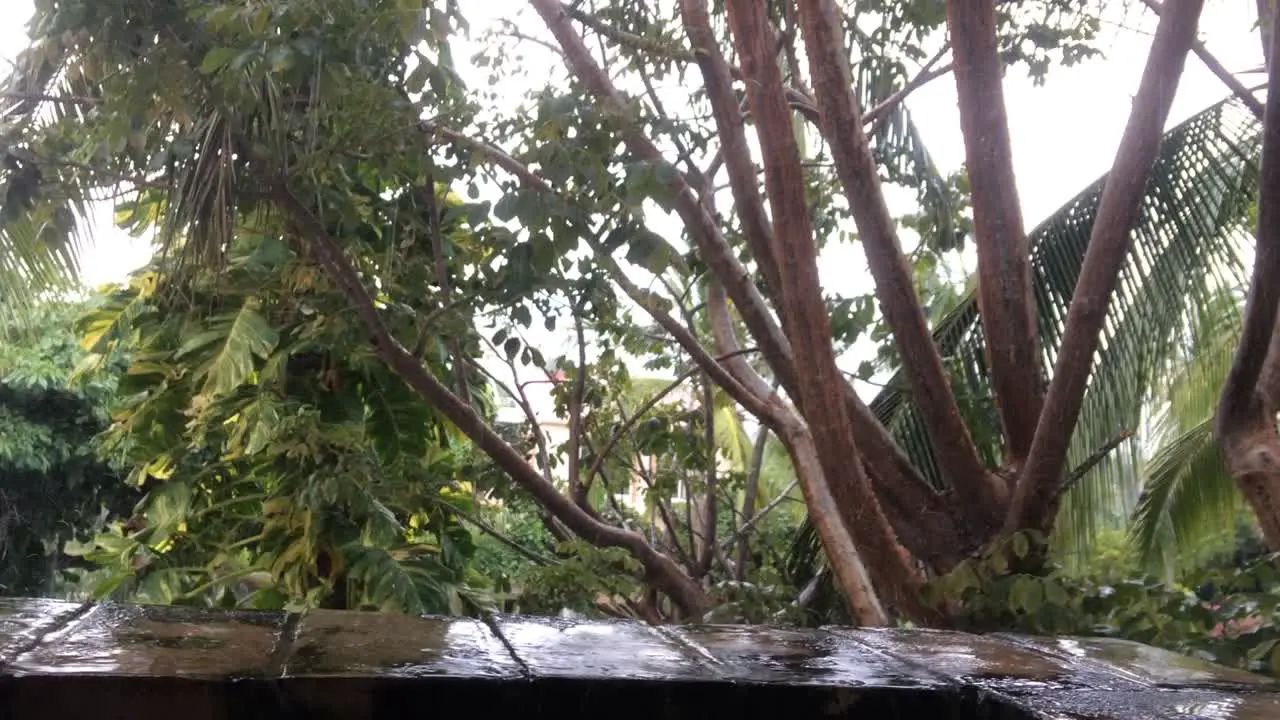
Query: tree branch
492,532
733,139
1008,307
1236,87
428,195
806,322
747,525
522,399
749,495
977,489
1035,500
1094,458
710,479
659,569
577,489
880,113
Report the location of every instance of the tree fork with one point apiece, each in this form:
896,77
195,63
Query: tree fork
1041,483
980,492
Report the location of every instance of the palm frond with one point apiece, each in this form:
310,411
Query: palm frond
1188,497
44,201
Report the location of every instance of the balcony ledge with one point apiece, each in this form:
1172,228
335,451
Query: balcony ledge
102,661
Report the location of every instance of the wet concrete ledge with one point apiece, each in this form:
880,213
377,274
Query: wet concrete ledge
117,661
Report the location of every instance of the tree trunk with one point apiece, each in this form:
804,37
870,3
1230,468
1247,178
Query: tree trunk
1007,306
804,311
1246,418
1039,488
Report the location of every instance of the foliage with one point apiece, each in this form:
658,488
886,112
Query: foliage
283,464
53,485
1225,611
284,460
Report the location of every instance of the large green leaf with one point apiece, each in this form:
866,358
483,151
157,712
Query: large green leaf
239,339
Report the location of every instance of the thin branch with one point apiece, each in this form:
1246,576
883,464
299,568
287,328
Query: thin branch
1094,458
660,569
710,478
432,201
522,399
499,536
741,533
576,488
749,495
1236,87
494,154
877,115
41,97
648,405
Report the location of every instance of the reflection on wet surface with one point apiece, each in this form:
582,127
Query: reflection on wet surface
106,661
552,647
988,660
138,640
22,622
1159,705
798,657
1145,663
342,643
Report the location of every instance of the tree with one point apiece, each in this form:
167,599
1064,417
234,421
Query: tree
54,486
219,121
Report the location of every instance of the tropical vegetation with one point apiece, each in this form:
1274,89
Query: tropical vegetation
324,390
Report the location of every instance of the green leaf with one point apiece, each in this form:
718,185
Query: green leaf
1021,545
522,315
652,252
248,335
216,59
505,210
1027,594
511,347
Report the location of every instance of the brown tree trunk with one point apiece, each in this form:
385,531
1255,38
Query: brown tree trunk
977,490
1246,419
1004,260
1042,481
804,312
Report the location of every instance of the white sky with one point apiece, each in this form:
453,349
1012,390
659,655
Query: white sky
1064,134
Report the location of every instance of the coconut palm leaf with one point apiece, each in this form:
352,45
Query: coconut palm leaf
44,200
1187,243
1188,497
